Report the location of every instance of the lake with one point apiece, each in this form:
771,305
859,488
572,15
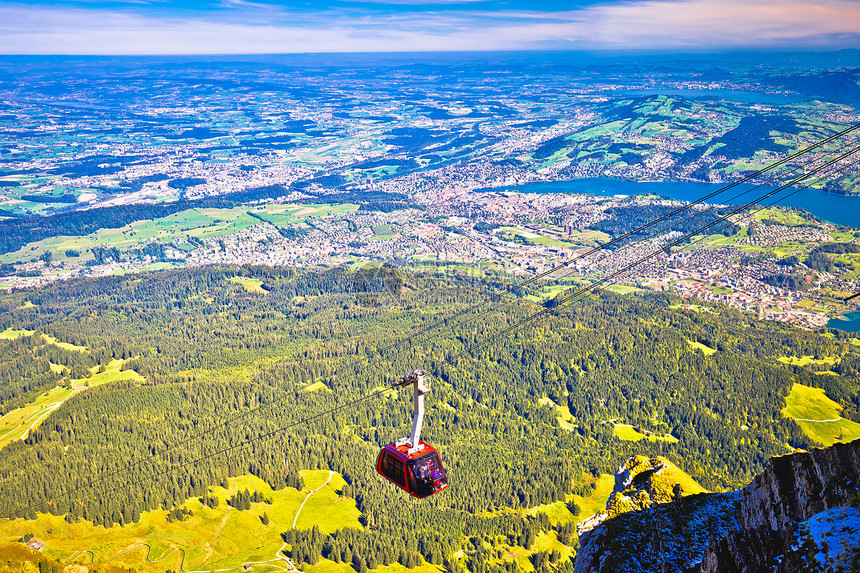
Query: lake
850,325
837,209
738,95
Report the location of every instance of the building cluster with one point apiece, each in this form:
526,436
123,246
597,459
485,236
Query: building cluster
523,234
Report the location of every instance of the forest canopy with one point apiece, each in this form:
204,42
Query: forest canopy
210,351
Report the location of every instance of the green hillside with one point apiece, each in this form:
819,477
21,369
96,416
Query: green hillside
522,422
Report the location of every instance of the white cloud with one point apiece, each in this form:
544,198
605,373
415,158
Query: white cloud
640,24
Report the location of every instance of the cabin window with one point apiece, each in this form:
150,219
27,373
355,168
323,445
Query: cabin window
392,468
427,468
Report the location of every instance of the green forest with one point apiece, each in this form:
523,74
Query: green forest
223,366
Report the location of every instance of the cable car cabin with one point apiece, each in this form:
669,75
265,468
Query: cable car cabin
419,473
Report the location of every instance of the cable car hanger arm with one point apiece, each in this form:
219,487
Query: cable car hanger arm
420,386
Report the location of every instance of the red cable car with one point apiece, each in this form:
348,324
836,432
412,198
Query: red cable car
410,463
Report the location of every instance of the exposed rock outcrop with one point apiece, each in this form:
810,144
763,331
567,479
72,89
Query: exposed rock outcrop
770,525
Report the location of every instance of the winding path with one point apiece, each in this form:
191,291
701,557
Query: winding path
280,553
310,493
79,553
149,552
276,562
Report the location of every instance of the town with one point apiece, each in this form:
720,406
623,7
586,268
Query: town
517,234
345,170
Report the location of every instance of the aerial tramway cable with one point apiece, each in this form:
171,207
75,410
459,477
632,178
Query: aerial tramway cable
504,332
588,252
508,330
724,220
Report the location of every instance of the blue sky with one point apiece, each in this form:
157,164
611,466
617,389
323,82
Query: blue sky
262,26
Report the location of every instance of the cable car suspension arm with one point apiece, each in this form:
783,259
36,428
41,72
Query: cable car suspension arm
420,386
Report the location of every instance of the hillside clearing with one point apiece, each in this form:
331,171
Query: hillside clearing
17,424
217,538
706,350
818,416
628,433
254,286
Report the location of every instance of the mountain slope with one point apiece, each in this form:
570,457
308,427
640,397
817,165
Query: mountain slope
799,514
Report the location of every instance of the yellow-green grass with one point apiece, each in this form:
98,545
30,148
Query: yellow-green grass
546,293
596,501
537,239
12,334
544,541
28,304
844,236
706,350
829,433
286,214
217,538
622,289
664,481
590,237
818,416
557,511
318,385
64,345
696,308
780,216
17,424
806,402
806,360
628,433
254,286
327,566
200,223
326,509
563,415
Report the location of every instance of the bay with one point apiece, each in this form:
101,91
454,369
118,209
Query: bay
836,209
850,325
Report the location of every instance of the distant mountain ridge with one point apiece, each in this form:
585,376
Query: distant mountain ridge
799,514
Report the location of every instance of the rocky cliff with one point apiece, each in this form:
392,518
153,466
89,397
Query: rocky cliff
800,514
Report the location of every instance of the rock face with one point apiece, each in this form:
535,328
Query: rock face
766,526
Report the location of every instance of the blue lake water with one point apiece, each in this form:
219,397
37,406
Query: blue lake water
837,209
730,95
850,325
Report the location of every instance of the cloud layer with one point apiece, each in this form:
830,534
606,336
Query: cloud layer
244,27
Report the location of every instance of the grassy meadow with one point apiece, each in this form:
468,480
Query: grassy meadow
219,538
17,424
630,434
202,223
818,416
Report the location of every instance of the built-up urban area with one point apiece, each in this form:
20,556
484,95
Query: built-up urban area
382,164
